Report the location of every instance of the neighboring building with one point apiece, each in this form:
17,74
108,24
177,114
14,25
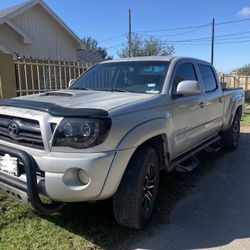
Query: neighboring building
32,29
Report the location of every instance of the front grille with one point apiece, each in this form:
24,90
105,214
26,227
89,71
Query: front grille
21,131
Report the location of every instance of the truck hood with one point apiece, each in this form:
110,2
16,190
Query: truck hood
88,98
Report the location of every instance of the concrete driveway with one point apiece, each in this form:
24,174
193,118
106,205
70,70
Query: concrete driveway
216,212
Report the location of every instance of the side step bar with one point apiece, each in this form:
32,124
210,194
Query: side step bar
179,160
214,147
188,167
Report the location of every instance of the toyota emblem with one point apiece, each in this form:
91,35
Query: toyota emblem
13,129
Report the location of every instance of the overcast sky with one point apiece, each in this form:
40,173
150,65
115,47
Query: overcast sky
107,21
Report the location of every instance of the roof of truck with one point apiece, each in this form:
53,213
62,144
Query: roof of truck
153,58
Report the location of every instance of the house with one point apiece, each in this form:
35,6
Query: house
32,29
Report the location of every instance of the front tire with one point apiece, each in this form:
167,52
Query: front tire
230,137
134,200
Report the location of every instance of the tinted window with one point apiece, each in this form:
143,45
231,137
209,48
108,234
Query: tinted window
184,71
139,77
208,78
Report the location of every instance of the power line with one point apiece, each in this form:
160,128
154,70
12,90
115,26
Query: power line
125,34
216,42
116,45
234,21
204,41
209,44
192,44
180,28
177,34
193,29
235,33
228,42
208,38
112,38
228,38
233,38
218,37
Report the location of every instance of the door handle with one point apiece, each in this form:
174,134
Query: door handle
202,104
220,98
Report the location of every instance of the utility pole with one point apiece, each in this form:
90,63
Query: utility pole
212,44
129,33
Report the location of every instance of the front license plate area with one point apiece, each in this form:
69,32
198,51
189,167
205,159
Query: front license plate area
9,164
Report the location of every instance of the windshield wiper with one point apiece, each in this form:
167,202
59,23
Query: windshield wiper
111,90
115,90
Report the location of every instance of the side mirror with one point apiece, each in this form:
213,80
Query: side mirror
71,81
188,88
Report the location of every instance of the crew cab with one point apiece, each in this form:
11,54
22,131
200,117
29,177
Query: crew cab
113,131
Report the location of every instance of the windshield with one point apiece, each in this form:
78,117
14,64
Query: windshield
137,77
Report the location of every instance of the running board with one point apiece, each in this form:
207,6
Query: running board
189,166
214,147
179,160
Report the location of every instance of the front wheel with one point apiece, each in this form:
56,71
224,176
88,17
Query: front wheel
230,137
134,200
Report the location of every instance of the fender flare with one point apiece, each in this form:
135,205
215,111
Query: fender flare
126,148
145,131
236,103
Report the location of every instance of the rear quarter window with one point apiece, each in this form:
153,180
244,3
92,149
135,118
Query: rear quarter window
208,78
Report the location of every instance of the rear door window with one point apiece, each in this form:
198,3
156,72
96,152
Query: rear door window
208,78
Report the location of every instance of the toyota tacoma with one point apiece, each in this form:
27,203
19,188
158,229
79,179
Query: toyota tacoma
113,131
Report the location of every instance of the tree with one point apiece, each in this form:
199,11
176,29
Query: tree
245,70
92,44
151,46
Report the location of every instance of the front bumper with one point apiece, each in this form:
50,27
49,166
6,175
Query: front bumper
60,181
61,170
31,186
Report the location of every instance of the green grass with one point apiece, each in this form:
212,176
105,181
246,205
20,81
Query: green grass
246,118
78,226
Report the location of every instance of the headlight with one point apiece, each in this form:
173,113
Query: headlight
81,133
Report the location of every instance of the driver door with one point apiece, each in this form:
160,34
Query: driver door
188,112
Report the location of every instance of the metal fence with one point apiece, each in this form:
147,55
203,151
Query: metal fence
41,75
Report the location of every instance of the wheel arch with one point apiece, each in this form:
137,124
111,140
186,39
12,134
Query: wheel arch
158,141
144,132
237,109
160,144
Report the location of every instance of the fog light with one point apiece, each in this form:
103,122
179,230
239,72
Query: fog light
83,177
76,178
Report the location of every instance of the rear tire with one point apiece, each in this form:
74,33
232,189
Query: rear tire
134,200
230,137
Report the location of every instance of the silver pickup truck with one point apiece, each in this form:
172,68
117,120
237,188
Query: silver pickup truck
112,131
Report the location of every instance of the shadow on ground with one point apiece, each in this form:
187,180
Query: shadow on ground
96,223
215,213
